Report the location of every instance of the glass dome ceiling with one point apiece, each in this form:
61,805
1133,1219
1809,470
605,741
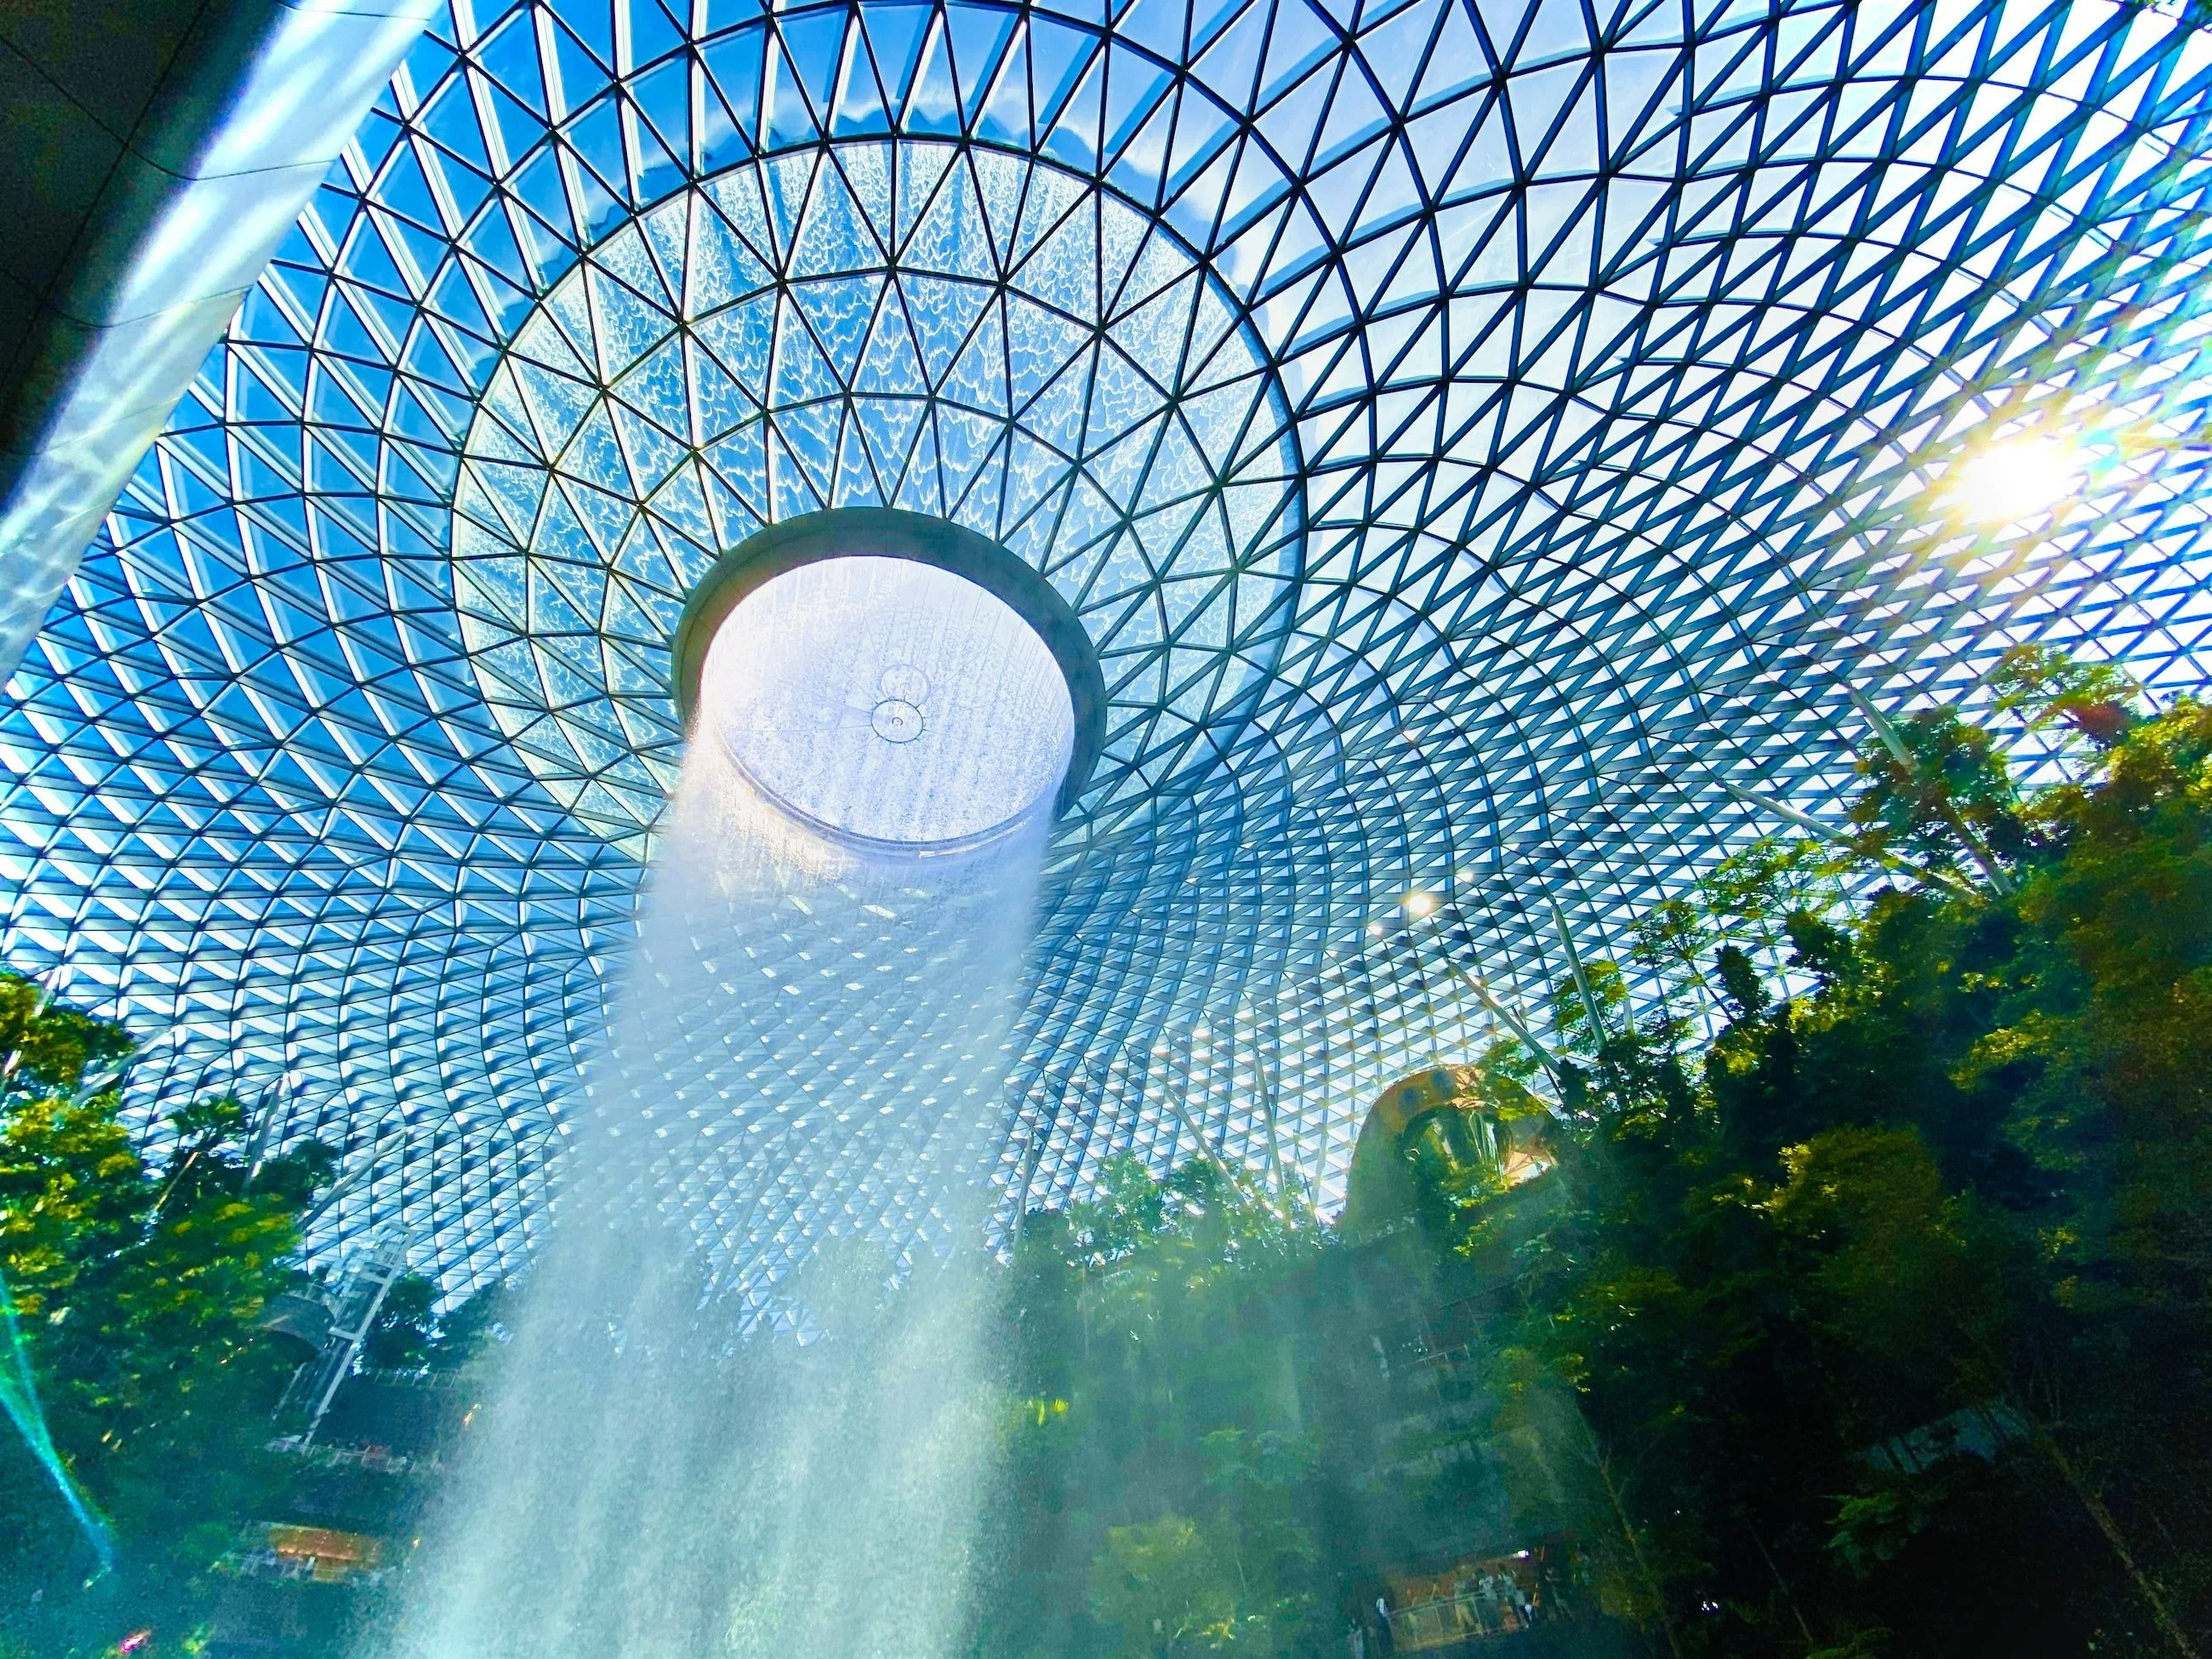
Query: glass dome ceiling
1483,440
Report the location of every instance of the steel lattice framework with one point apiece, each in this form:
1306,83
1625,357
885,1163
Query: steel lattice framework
1483,436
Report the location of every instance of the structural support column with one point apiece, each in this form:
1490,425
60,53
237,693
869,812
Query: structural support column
160,151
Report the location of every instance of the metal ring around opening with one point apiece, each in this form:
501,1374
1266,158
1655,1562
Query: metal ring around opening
892,533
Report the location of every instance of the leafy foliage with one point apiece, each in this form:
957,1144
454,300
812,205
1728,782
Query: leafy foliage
141,1292
1162,1585
1159,1497
1954,1169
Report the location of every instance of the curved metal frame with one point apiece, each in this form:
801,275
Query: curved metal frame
1624,356
889,532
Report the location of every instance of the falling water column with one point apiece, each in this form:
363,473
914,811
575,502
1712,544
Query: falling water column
747,1411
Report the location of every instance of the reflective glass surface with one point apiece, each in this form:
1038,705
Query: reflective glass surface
1490,445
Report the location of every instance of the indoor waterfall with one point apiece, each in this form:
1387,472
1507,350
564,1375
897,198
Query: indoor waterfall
745,1411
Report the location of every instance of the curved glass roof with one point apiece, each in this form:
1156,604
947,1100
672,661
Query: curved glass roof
1491,443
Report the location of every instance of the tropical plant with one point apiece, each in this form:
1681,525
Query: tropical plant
140,1291
1885,1312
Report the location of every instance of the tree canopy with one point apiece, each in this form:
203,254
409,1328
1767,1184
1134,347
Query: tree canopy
140,1290
1885,1308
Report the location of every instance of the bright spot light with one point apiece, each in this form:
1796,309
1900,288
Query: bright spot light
2009,482
1419,903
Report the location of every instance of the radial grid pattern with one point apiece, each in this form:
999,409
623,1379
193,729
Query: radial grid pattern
1484,439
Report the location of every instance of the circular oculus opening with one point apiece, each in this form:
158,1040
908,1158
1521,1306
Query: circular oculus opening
888,703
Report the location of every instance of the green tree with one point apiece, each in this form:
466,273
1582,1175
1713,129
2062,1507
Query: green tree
1154,1468
1887,1312
404,1337
1163,1585
1260,1480
473,1330
141,1292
